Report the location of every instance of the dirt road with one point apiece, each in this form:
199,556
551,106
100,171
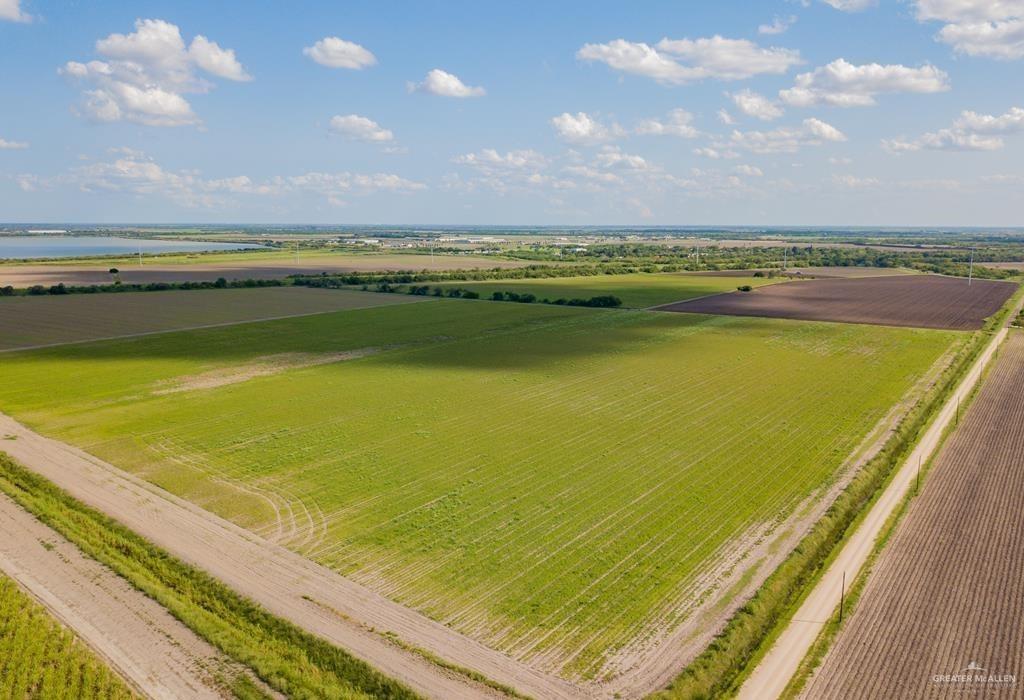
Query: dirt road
157,654
772,675
288,585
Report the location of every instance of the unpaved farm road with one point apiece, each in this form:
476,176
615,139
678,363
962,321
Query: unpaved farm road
775,670
286,584
156,654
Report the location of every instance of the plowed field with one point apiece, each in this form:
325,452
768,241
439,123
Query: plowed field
941,614
920,301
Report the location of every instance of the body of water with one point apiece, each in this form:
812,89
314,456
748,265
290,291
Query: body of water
17,247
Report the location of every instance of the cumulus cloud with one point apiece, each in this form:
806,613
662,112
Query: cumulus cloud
338,53
725,117
971,131
582,128
490,160
359,128
812,132
6,145
135,173
779,25
756,105
853,182
444,84
850,5
211,58
843,84
749,170
680,61
990,28
679,122
10,10
715,153
145,75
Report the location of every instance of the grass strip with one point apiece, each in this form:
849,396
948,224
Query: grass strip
719,670
287,658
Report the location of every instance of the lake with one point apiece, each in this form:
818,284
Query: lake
77,246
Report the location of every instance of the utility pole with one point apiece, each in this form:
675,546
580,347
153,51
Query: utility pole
140,253
970,274
917,481
785,257
842,598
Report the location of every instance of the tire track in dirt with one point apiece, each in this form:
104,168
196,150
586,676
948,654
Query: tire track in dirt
158,655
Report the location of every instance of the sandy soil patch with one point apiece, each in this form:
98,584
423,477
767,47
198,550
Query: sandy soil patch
265,367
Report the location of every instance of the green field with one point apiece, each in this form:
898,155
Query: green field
41,659
550,480
638,291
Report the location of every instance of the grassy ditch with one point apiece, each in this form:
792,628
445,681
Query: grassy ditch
288,659
719,670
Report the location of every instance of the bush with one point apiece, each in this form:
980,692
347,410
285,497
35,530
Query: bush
745,288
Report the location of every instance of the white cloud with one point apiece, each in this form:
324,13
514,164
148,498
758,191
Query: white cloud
614,158
360,128
749,170
851,5
970,132
11,11
725,117
439,82
756,105
490,160
990,28
1009,123
217,61
147,72
582,128
843,84
679,122
680,61
840,161
812,132
135,173
6,145
852,182
779,25
338,53
715,153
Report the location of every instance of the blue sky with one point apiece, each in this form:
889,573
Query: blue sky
846,112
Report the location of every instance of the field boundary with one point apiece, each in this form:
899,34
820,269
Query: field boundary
780,663
222,324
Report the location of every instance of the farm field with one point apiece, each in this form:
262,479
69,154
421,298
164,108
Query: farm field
921,301
41,659
638,291
207,268
491,464
945,596
42,320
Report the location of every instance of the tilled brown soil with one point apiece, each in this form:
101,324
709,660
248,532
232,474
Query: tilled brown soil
942,615
155,271
920,301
